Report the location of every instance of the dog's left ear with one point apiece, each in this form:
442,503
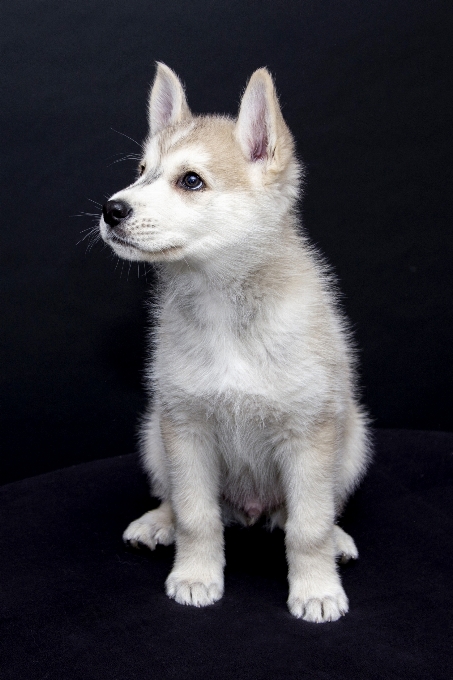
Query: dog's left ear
167,101
260,128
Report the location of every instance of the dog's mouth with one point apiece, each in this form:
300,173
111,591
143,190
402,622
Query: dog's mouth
130,244
122,241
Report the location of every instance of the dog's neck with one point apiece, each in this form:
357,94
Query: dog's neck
235,287
233,265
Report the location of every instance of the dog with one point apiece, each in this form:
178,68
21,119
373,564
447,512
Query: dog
254,409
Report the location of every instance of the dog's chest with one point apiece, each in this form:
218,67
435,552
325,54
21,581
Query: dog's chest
208,351
237,374
221,372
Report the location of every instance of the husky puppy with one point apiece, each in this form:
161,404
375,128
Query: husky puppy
253,410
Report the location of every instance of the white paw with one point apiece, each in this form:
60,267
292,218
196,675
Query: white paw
345,547
319,609
199,593
151,529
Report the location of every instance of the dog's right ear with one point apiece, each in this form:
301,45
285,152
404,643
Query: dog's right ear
167,101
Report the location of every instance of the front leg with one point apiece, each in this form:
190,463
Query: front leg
308,468
197,574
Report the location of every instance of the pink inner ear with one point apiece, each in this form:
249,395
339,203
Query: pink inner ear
259,139
164,103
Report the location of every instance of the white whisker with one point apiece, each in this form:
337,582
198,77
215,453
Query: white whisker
127,136
93,231
119,153
130,157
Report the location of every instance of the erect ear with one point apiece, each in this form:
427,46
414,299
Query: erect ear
260,128
167,101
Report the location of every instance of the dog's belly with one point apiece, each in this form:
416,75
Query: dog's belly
252,503
250,479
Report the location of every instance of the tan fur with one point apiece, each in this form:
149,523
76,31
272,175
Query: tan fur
216,134
254,410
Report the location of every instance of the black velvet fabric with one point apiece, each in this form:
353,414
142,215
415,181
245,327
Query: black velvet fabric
77,603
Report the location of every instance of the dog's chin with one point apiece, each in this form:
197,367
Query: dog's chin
132,252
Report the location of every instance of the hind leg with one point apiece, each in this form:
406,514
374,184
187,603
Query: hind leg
355,455
345,548
153,455
152,528
355,458
156,526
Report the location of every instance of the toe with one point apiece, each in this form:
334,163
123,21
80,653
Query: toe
319,609
195,593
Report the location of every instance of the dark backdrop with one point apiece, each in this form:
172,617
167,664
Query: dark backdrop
364,88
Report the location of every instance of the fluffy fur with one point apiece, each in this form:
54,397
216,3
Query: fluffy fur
253,411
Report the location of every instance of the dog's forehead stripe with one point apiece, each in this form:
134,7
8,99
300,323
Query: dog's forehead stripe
213,131
215,135
159,146
177,136
190,157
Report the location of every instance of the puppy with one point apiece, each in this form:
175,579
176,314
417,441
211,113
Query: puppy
254,409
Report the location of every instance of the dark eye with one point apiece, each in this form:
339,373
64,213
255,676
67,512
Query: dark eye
141,169
191,182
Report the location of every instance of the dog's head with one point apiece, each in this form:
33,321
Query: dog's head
206,183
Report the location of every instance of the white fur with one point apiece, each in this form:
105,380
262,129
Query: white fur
253,410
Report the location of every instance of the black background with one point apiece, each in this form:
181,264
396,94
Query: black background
365,89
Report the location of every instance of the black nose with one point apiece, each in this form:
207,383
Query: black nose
115,212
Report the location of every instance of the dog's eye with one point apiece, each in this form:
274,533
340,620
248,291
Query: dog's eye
191,182
141,169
